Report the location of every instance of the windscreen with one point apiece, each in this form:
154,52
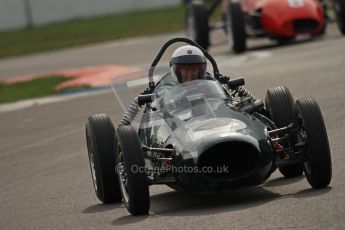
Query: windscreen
127,87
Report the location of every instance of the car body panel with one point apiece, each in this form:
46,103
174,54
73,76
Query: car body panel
287,17
196,125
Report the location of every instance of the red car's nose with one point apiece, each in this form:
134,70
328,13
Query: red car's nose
289,18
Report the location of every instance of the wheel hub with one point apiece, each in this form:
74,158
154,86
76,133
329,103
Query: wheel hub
122,173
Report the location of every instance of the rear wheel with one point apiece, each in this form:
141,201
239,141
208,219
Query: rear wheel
280,105
235,27
197,25
100,146
339,10
312,131
131,167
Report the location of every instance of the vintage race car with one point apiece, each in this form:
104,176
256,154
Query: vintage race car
201,136
281,20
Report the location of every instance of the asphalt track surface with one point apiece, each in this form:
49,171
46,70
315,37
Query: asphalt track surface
45,179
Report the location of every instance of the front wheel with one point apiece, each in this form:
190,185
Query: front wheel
131,171
100,146
235,27
339,10
197,25
312,132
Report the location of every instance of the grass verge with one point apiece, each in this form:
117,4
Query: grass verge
86,31
32,89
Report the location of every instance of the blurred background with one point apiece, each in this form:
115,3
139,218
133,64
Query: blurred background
16,14
36,25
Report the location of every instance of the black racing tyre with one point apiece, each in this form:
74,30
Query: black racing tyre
312,131
285,40
197,25
131,171
100,146
280,105
235,27
339,10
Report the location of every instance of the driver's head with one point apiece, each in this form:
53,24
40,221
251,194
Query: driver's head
188,63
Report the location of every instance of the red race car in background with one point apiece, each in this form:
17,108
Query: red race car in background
281,20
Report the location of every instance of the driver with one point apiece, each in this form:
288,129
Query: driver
188,63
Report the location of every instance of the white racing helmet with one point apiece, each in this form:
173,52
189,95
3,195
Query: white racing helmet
188,55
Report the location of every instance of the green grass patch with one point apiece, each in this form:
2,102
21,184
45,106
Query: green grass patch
32,89
86,31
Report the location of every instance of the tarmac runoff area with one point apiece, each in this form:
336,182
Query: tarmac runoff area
92,76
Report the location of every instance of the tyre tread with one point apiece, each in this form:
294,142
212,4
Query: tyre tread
321,164
139,197
102,131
